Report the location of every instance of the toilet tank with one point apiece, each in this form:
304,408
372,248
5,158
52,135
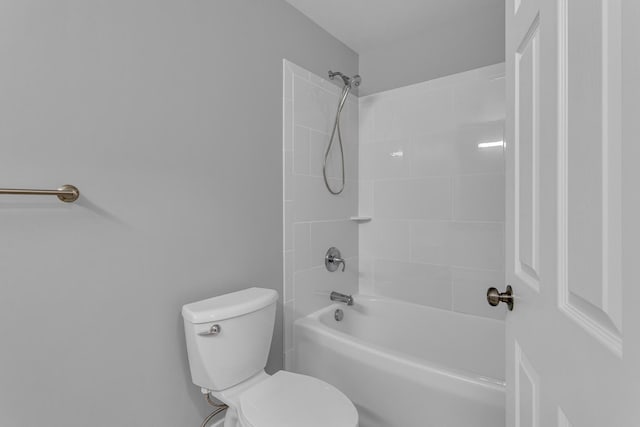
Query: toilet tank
229,336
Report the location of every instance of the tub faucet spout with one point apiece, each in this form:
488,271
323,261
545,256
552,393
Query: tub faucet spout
337,296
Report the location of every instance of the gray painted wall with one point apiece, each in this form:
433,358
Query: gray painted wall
439,51
167,114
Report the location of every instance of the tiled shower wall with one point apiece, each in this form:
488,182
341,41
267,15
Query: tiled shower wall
435,196
315,220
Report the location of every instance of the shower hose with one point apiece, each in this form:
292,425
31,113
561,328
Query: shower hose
336,131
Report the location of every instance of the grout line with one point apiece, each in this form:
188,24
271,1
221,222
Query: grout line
452,194
430,264
451,287
322,221
449,221
427,177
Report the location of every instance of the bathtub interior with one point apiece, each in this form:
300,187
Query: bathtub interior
407,365
457,341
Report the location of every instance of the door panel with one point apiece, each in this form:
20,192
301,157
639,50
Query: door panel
527,388
589,167
526,157
572,228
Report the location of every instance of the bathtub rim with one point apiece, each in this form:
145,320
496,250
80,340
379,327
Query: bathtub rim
312,322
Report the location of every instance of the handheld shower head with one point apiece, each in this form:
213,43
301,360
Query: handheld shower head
348,81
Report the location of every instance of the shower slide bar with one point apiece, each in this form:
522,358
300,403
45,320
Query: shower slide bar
66,193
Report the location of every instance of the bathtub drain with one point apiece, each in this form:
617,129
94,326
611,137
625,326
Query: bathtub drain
338,315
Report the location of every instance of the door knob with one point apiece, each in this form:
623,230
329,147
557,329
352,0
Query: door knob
494,297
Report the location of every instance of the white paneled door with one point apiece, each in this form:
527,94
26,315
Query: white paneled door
572,234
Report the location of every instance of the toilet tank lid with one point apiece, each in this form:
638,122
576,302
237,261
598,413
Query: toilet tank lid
229,305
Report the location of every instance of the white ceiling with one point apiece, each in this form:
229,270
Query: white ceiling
364,24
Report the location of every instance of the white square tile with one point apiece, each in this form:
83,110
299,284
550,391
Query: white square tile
365,198
315,203
300,150
386,124
334,160
297,70
388,239
349,122
470,292
480,101
288,225
417,283
478,197
288,175
366,240
288,325
287,81
313,107
318,143
430,242
477,245
471,159
424,198
326,234
433,154
426,112
287,125
351,161
288,276
366,276
391,159
302,245
366,120
366,162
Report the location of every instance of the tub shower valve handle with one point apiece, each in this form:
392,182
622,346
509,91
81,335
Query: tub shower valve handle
333,259
494,297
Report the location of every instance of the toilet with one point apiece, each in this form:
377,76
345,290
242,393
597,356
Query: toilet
228,340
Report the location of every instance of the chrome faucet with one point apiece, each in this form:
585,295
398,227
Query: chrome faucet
337,296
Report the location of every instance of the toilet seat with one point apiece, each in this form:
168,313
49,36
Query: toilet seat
293,400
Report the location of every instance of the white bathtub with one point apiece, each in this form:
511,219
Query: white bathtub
405,365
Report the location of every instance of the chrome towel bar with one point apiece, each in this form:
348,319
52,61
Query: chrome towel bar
66,193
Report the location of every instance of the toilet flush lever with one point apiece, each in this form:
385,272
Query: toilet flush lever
213,330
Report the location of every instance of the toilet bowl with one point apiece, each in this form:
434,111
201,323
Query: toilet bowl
228,339
290,400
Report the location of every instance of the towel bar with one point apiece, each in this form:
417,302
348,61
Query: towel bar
66,193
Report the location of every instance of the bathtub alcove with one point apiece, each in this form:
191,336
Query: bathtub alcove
421,226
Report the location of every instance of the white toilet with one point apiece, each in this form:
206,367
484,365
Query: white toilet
228,341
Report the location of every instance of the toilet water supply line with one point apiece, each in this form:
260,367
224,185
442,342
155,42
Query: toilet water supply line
219,408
